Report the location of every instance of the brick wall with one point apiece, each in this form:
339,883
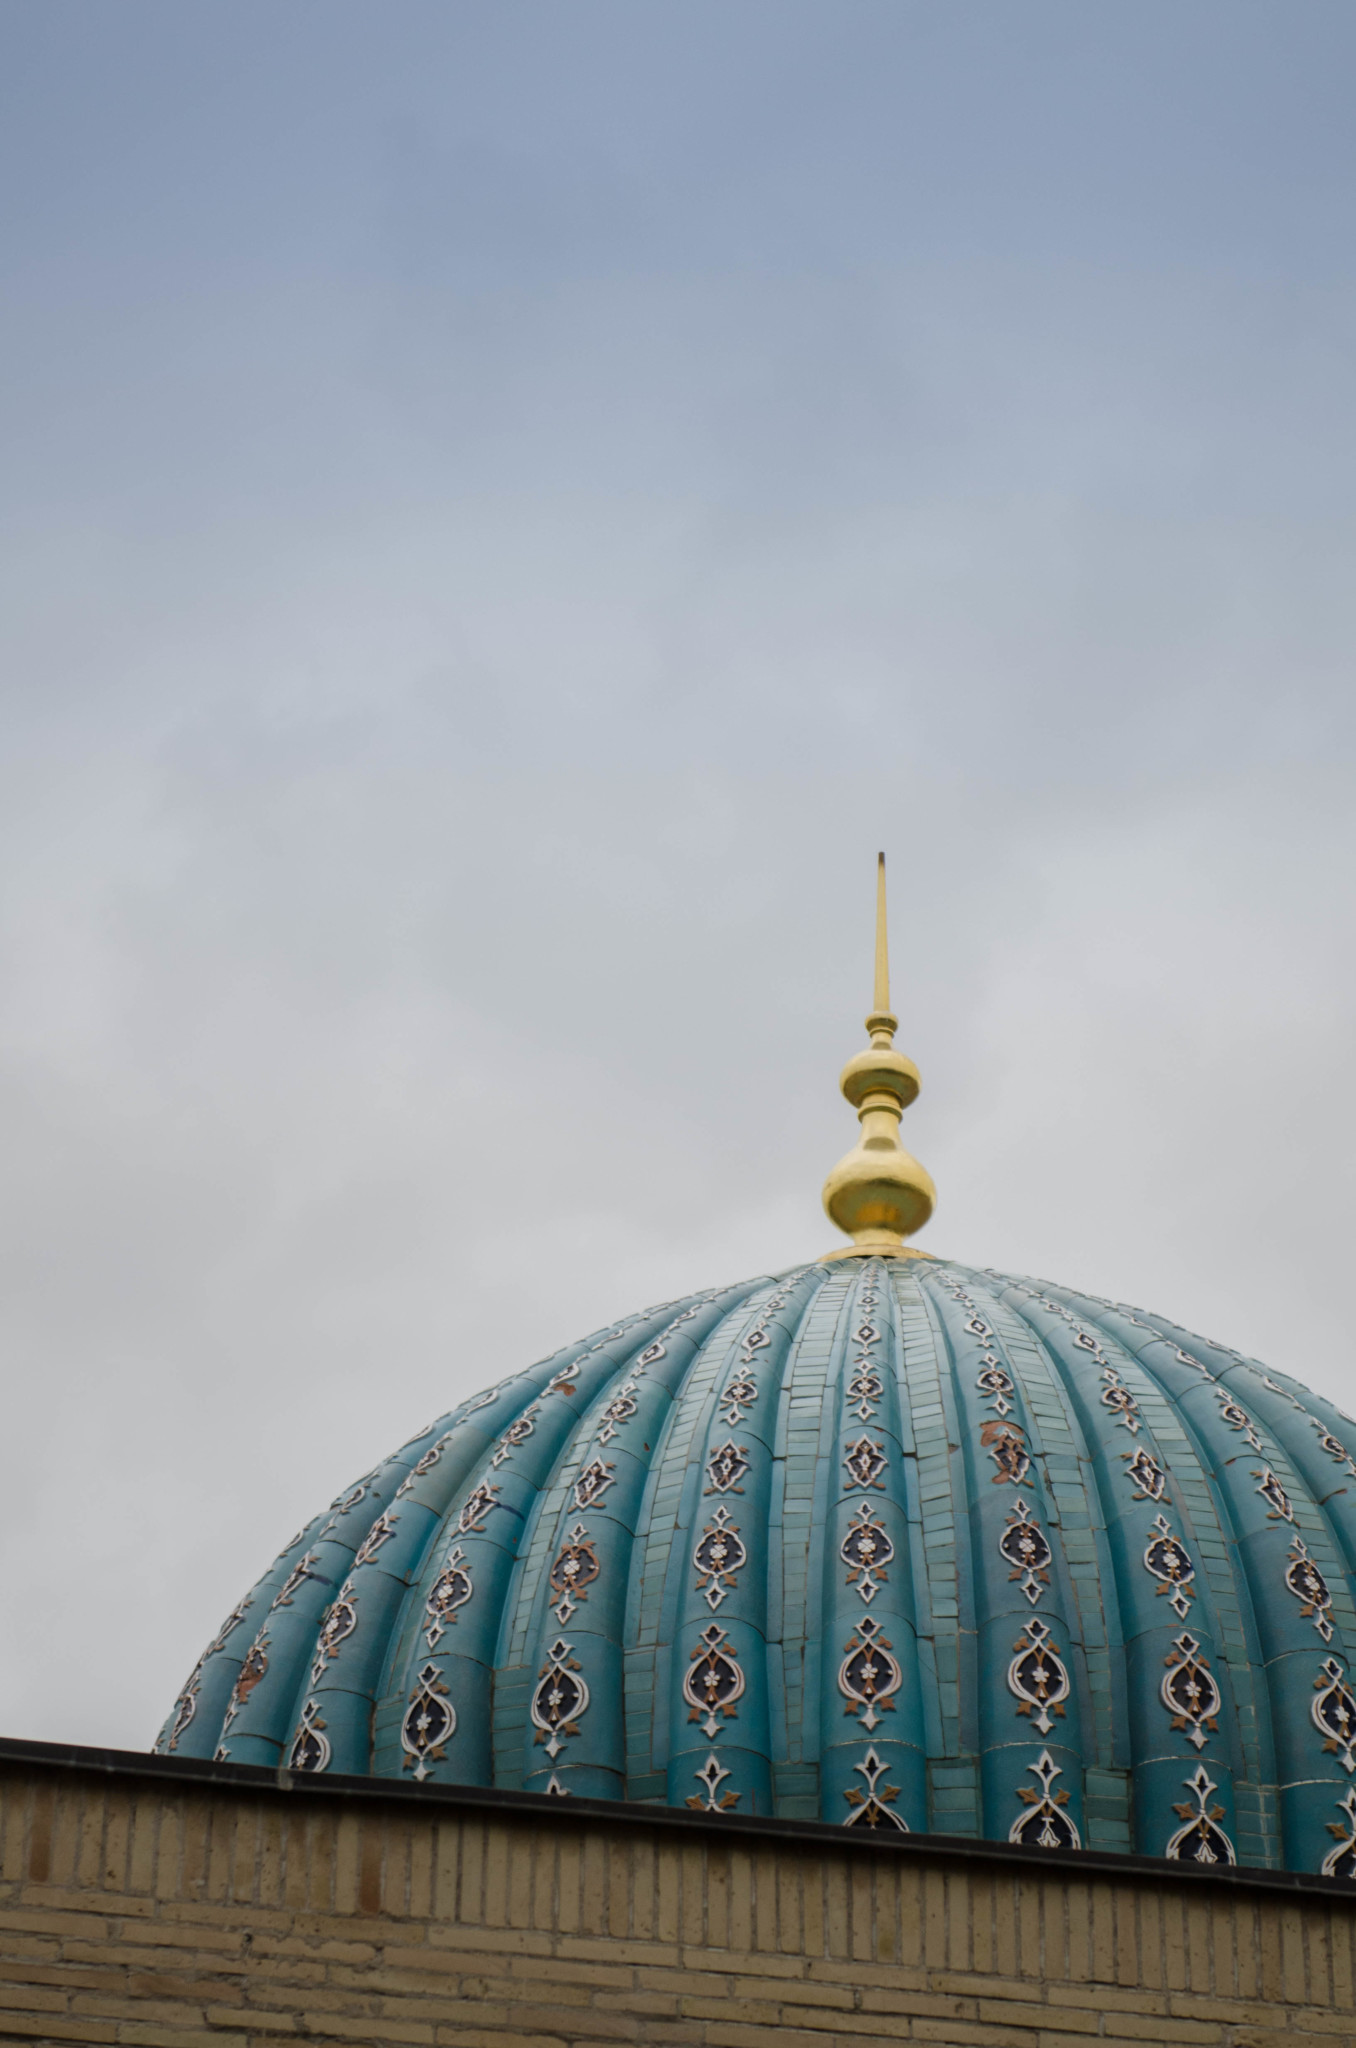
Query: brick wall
158,1904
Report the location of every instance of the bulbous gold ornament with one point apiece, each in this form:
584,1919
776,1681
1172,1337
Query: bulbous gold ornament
878,1193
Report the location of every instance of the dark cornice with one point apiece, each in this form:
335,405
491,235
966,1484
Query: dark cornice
198,1773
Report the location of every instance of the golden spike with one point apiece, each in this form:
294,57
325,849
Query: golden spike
877,1193
882,942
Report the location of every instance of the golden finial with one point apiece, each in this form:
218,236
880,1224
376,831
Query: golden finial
877,1193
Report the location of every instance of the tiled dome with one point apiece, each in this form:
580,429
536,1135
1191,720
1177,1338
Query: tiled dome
886,1542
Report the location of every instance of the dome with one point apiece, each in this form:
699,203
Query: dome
882,1541
888,1543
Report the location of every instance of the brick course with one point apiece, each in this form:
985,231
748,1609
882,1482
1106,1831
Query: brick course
144,1905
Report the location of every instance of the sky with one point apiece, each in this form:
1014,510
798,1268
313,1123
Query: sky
503,512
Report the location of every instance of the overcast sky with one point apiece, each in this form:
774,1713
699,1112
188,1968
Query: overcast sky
505,510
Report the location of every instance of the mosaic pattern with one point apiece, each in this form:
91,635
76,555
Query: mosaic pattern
869,1675
560,1699
1167,1559
593,1482
478,1504
865,1462
1334,1713
867,1550
1006,1445
430,1721
711,1777
574,1571
422,1468
450,1591
719,1556
1024,1545
1310,1588
517,1433
1046,1822
310,1749
619,1409
1037,1676
1201,1840
1146,1475
713,1683
865,1387
186,1706
1334,1447
1189,1692
340,1621
726,1466
1341,1861
872,1805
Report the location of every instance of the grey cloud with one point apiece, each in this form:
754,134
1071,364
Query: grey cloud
504,514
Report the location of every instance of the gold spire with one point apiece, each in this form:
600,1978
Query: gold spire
882,947
877,1193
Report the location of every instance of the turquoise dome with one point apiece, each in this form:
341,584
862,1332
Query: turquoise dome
889,1543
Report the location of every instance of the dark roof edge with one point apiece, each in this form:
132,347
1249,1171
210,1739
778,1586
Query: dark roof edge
536,1806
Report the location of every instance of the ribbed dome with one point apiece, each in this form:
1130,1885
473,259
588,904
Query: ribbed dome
887,1542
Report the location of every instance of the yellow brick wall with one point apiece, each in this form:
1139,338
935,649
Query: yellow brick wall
147,1911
